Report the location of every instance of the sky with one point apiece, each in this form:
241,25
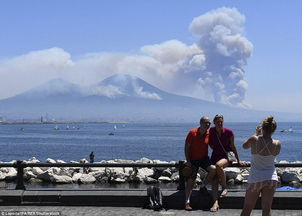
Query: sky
239,52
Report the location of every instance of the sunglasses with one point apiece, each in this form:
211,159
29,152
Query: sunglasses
207,123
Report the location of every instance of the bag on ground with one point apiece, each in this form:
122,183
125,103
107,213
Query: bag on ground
154,198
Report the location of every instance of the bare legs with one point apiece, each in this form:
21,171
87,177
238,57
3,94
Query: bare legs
219,178
215,205
191,182
221,175
189,187
267,194
211,174
249,202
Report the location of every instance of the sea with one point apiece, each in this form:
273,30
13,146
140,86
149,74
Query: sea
132,141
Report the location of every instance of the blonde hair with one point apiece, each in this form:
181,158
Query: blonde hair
217,117
269,124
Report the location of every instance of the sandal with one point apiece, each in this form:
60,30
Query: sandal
224,192
214,208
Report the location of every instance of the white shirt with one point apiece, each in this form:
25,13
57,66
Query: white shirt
262,167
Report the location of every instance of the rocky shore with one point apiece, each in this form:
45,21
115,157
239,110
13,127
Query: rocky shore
66,175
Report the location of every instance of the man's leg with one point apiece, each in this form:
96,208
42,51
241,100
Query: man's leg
189,187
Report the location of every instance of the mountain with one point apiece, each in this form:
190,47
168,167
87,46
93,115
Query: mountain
120,97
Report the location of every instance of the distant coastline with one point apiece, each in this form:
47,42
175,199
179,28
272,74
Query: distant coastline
63,122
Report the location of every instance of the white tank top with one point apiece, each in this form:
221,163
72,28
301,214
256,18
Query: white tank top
262,167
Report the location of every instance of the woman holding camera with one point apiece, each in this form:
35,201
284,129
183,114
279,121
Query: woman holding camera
263,177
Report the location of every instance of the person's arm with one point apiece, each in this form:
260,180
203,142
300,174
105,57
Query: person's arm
211,144
210,138
234,149
187,154
278,147
248,144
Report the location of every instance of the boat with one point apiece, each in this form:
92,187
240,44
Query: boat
111,134
289,130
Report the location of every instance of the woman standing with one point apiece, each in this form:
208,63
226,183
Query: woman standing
221,141
263,176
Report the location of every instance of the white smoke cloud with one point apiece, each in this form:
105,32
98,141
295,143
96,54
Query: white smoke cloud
23,72
144,94
108,91
120,89
211,69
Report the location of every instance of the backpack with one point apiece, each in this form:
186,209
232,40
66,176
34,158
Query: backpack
154,198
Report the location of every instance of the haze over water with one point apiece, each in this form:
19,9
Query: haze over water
163,141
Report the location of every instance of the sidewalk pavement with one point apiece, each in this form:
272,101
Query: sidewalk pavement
125,211
172,199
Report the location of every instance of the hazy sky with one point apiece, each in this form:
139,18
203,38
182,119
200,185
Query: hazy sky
240,52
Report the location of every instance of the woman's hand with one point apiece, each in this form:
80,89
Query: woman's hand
242,163
258,130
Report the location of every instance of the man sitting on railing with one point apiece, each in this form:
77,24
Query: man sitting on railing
196,152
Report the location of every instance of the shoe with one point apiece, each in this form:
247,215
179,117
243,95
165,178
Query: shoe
203,190
188,207
214,208
224,192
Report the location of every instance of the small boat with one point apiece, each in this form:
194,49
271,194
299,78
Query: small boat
56,127
289,130
111,133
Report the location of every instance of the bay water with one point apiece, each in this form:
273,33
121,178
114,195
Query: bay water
163,141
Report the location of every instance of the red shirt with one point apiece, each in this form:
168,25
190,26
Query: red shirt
198,144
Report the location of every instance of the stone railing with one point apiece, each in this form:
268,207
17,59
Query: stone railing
121,171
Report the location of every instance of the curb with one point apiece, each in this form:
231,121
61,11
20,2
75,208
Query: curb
172,199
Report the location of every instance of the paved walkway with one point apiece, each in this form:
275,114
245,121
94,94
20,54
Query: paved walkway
125,211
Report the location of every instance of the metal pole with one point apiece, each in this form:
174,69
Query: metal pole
20,172
181,183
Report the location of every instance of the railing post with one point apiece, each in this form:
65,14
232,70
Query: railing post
181,183
20,172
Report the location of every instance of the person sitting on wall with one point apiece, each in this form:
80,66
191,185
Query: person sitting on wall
196,153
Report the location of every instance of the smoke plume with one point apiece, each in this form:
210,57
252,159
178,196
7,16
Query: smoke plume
221,38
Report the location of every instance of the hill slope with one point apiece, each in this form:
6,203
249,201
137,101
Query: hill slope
119,97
